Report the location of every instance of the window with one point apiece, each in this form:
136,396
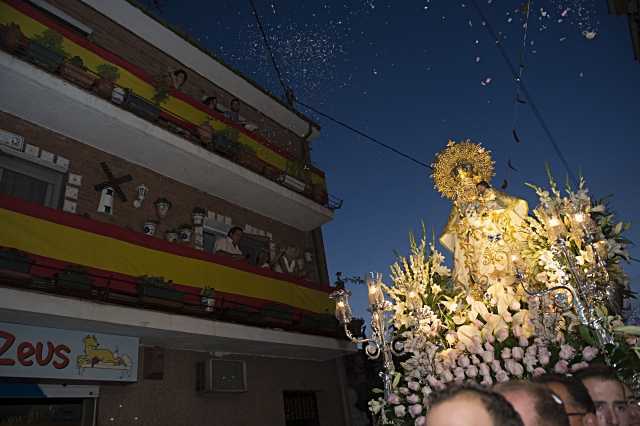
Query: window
32,182
300,408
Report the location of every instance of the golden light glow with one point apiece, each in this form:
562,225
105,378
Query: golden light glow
459,165
340,304
554,221
578,217
373,289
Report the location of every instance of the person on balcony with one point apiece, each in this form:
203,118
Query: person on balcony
228,246
210,101
234,113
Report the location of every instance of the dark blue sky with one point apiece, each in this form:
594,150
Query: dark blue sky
410,72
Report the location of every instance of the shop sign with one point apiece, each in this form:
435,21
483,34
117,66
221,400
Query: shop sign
51,353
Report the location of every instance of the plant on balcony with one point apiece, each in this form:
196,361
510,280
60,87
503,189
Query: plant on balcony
207,298
46,50
109,74
15,261
205,133
12,38
141,107
75,71
158,291
75,279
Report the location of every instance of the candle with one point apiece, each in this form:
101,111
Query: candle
374,283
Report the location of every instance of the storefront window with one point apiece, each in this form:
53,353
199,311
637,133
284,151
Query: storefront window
47,412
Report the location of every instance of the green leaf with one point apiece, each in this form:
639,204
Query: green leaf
377,390
633,330
585,333
396,379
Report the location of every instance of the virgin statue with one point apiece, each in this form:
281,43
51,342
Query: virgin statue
483,231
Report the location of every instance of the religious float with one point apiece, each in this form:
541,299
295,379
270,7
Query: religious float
530,292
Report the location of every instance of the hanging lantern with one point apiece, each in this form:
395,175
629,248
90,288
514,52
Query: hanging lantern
374,283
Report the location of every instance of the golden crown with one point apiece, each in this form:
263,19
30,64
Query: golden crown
458,165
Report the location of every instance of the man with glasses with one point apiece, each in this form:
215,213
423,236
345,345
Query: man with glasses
607,393
577,403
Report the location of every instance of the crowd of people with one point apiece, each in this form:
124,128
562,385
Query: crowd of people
592,397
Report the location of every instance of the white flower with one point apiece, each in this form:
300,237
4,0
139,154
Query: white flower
523,342
506,353
393,399
414,386
579,366
472,371
514,367
464,361
403,391
484,370
502,376
375,405
400,410
561,367
538,371
487,381
488,356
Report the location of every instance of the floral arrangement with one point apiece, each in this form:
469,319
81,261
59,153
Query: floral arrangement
572,249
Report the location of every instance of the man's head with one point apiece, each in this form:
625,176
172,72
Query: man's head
607,393
235,234
537,405
472,406
235,105
577,403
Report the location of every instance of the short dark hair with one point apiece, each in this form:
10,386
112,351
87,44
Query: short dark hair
549,408
234,229
575,388
180,72
498,408
597,371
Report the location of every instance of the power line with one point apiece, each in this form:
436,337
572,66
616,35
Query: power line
364,135
268,46
290,97
525,91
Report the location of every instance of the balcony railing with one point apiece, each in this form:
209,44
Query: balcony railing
47,250
94,69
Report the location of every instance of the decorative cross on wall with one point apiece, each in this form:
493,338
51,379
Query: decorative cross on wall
113,182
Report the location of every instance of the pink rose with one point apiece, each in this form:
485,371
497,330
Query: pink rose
496,366
532,350
459,373
517,353
413,399
538,372
589,353
414,386
393,399
460,346
515,306
502,376
421,421
426,390
476,348
523,342
489,347
506,353
514,367
439,369
464,361
484,370
561,367
486,381
403,391
488,356
399,410
502,334
415,410
474,359
490,338
447,376
579,366
472,371
567,352
432,381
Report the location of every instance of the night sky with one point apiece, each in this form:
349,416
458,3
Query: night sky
417,73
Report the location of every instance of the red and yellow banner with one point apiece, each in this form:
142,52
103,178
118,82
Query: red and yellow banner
33,23
72,239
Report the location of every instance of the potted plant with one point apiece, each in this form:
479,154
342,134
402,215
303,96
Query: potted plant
141,107
75,279
12,38
75,71
184,233
205,133
198,214
157,291
171,235
207,298
109,74
46,51
14,260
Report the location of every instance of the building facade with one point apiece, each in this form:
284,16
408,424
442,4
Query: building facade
126,152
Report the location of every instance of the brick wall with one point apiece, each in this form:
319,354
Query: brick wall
174,401
130,47
85,161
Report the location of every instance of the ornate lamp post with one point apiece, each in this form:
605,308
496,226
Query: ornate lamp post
382,340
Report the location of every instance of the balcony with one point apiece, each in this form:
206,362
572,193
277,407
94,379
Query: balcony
117,277
236,165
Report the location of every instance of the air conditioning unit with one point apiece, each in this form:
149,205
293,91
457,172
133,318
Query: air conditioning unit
292,183
221,375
